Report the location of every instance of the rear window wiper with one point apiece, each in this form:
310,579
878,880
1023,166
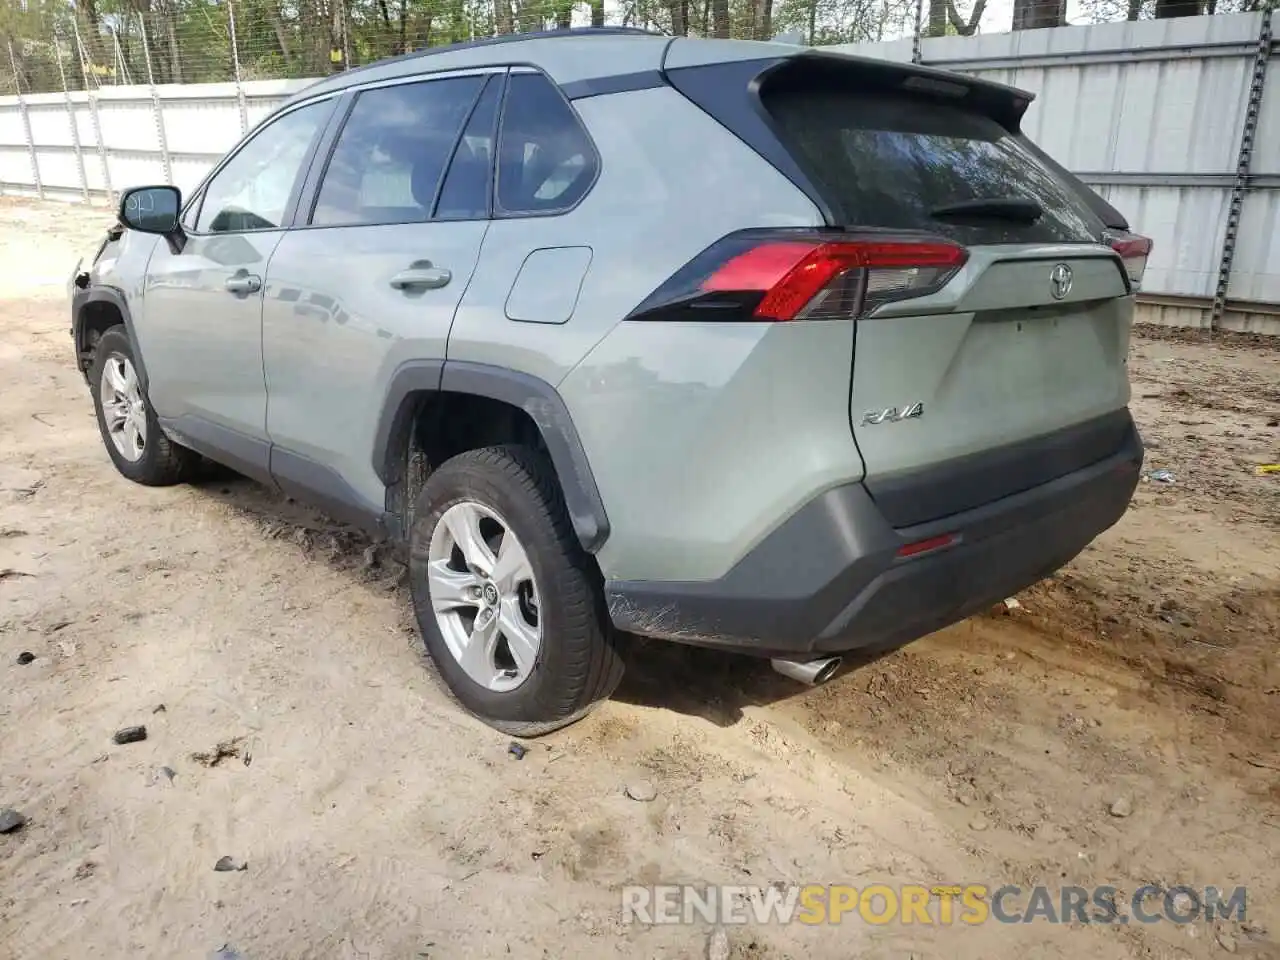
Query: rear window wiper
992,208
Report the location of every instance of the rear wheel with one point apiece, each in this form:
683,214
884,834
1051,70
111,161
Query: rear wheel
132,435
509,604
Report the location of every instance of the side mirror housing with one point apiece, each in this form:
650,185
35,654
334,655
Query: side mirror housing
151,209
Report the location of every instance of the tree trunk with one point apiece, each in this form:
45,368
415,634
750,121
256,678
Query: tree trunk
937,18
720,18
680,18
1035,14
762,19
502,20
1135,9
1168,9
336,39
386,42
564,16
175,49
527,16
91,34
312,26
597,13
282,35
813,22
963,27
21,79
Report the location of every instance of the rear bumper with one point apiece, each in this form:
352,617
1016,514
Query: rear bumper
830,578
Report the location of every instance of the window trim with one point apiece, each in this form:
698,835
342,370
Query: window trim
310,195
490,190
495,212
295,192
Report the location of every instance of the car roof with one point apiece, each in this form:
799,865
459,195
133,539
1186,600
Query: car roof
567,56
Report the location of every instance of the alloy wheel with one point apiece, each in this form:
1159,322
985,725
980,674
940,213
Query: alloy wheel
484,596
123,409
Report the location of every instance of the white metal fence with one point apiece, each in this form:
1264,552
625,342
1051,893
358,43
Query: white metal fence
1149,113
87,145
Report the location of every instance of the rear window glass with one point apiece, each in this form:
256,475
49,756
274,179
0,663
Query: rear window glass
890,160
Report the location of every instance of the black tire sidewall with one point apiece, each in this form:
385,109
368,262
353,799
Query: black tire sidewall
565,588
116,342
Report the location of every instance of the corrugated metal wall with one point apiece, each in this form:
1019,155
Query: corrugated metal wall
1149,113
198,122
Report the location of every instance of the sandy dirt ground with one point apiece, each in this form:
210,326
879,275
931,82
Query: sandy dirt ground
272,657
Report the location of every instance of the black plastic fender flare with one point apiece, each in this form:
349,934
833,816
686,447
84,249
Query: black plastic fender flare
537,398
100,293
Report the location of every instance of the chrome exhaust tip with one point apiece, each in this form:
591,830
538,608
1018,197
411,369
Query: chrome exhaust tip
812,672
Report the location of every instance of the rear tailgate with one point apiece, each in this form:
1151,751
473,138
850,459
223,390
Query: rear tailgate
1012,386
1014,372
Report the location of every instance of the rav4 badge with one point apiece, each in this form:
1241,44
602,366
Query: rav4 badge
892,414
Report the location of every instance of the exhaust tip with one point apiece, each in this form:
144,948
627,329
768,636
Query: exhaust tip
811,672
828,670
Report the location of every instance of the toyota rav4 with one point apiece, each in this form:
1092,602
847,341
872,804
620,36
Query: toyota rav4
735,344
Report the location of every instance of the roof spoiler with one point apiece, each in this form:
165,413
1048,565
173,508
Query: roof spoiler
1002,103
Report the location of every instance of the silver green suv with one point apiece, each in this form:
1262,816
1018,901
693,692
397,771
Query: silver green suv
735,344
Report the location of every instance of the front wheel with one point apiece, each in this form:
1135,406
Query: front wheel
130,431
509,604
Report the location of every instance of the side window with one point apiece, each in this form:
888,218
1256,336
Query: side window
546,161
391,154
252,191
465,194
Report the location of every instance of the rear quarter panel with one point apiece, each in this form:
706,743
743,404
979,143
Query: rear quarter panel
701,437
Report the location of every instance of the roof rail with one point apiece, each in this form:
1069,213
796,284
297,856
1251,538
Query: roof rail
508,38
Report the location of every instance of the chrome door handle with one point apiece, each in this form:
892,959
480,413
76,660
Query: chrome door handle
244,283
421,276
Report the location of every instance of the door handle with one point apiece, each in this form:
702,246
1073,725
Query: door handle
244,283
421,276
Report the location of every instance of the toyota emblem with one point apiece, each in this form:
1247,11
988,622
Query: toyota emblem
1060,281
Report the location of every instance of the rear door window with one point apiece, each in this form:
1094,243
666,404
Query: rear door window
391,154
891,160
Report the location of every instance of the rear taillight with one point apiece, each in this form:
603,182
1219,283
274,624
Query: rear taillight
790,275
1133,251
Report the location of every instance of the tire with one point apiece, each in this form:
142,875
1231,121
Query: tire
579,658
162,462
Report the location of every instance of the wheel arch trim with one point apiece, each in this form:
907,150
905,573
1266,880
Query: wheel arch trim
537,398
100,293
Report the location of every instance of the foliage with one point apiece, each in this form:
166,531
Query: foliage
98,42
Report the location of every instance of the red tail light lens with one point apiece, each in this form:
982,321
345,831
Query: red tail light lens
1133,251
789,276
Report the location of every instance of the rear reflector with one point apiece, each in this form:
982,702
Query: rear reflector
1133,251
802,275
927,546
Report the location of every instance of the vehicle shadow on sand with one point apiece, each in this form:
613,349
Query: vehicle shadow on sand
714,685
